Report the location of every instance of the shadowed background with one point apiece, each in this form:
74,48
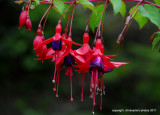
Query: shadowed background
26,85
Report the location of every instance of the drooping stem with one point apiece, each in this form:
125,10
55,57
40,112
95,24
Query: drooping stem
136,7
67,9
72,19
125,29
98,29
46,19
68,19
45,13
92,12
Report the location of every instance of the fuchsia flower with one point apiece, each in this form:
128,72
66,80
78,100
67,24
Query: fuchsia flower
85,52
57,39
67,58
97,64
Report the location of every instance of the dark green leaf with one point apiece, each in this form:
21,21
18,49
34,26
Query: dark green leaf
156,39
86,3
95,17
117,4
123,10
141,20
151,12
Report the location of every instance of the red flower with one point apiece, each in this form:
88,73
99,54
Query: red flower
85,52
57,39
97,64
67,58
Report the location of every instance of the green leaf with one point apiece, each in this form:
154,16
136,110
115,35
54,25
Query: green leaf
141,20
117,4
95,17
151,12
123,9
59,6
86,3
20,2
156,39
37,1
157,2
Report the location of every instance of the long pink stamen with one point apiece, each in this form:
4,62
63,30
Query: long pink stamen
101,94
95,88
54,70
54,89
92,84
83,78
57,83
71,74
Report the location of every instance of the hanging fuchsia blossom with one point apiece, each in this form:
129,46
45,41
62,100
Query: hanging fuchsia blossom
97,64
67,58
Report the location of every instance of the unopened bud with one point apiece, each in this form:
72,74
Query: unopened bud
87,28
128,19
120,39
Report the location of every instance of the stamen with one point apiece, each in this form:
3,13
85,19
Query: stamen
83,78
57,83
54,70
54,89
101,94
71,74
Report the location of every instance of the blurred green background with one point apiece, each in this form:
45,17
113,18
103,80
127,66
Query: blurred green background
26,85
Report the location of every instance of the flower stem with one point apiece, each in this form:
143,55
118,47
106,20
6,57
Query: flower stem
72,19
98,29
45,13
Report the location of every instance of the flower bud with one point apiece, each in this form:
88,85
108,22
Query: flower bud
23,17
58,28
128,19
85,38
37,41
28,23
120,39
